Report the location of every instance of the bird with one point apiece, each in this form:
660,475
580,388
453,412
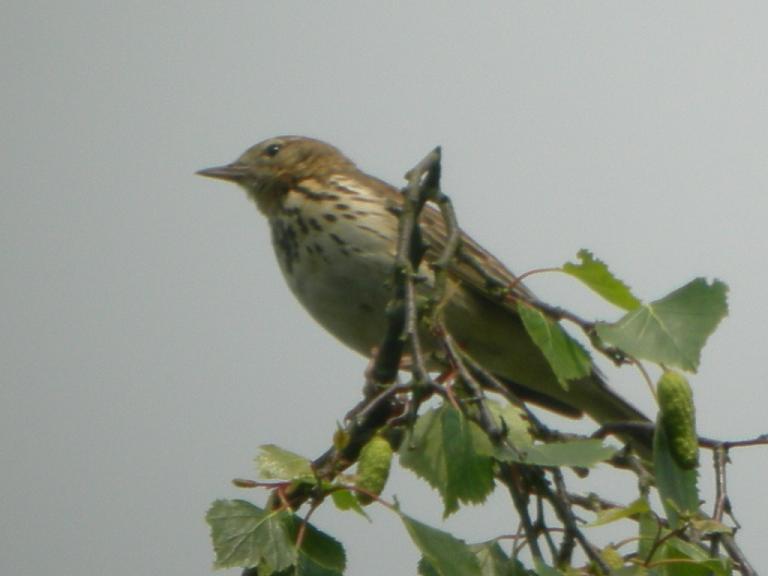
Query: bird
334,230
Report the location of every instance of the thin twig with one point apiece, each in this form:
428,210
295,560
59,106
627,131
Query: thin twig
542,528
710,443
486,420
564,512
742,564
450,250
719,458
569,538
508,472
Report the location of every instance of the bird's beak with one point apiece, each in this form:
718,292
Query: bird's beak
234,172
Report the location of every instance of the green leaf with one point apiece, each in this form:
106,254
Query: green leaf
631,571
707,526
306,567
543,569
648,530
639,506
514,419
323,550
445,554
346,500
567,357
452,454
245,535
671,331
275,463
699,562
578,453
677,486
595,274
494,561
426,569
612,558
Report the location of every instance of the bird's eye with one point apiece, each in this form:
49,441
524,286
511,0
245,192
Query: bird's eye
272,150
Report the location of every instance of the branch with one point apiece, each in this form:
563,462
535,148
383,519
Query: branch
728,444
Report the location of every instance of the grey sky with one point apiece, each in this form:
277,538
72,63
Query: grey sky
149,343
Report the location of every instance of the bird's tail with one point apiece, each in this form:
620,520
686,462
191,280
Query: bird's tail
592,396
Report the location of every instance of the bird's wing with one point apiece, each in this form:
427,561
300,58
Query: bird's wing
473,266
476,268
484,275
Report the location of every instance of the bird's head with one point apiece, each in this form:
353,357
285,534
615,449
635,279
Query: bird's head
270,168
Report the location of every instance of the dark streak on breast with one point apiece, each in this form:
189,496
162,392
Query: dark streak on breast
316,194
373,231
302,225
338,240
287,246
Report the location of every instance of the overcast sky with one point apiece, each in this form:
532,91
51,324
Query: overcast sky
149,344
